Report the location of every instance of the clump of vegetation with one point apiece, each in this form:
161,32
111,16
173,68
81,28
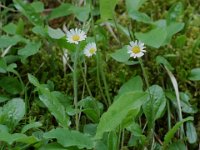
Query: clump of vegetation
103,75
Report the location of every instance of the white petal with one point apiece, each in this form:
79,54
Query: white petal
140,54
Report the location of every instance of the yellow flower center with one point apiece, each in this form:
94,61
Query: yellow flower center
92,50
76,37
136,49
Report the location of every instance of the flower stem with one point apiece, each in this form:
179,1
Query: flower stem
84,74
144,73
75,83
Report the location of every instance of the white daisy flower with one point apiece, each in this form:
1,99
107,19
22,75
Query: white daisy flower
136,49
75,36
90,49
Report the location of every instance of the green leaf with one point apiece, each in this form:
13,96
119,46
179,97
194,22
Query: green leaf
82,13
134,4
179,145
11,85
181,41
159,35
112,141
33,80
163,61
121,55
194,74
30,49
174,12
4,98
172,29
38,6
155,106
52,146
51,102
91,108
185,104
3,128
30,126
12,112
65,9
118,111
130,117
107,8
55,33
40,31
133,84
69,138
191,133
54,106
140,17
6,41
10,28
137,137
90,129
17,137
20,27
29,12
3,65
171,132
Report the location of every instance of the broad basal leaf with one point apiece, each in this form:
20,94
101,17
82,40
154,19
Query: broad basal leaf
194,74
54,106
107,9
29,11
30,49
133,84
11,85
6,41
174,12
119,110
68,138
172,29
30,126
65,9
155,38
17,137
134,4
121,55
191,132
140,17
155,106
51,102
92,108
55,33
12,112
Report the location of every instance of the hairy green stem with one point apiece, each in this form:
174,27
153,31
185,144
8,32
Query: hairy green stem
75,83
